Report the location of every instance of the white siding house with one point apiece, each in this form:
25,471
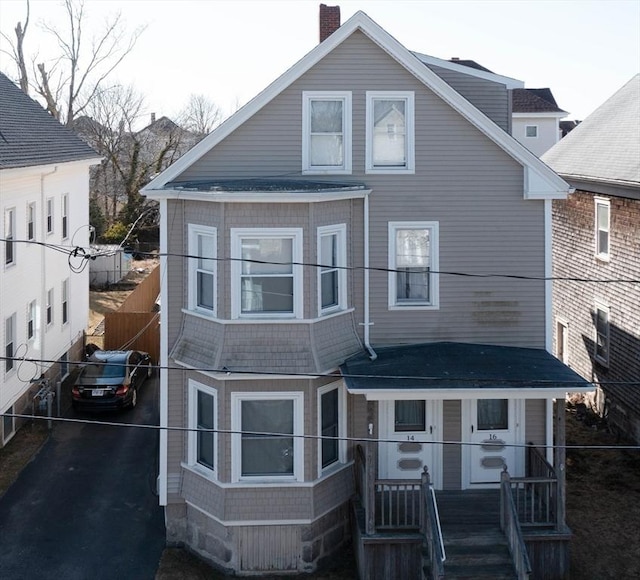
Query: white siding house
44,202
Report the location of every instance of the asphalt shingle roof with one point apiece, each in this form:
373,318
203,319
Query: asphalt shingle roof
30,136
453,365
605,147
534,101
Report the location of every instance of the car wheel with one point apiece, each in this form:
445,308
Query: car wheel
134,398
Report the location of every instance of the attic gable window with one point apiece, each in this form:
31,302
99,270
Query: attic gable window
326,132
531,131
390,132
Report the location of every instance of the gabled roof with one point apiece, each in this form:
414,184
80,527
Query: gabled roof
470,64
29,136
605,147
540,182
534,101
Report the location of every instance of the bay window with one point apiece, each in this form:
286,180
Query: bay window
203,439
202,269
332,275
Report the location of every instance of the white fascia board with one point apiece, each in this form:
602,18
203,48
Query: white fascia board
508,82
550,186
30,170
258,196
469,393
548,115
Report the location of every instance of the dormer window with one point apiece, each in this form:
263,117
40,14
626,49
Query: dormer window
531,131
326,132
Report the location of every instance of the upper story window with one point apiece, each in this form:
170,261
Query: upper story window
601,321
531,131
49,307
331,425
413,258
9,342
390,146
202,422
266,274
326,132
50,215
31,221
332,275
202,269
65,216
31,320
65,301
603,207
267,443
9,236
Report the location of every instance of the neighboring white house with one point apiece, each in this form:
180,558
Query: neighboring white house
536,119
44,202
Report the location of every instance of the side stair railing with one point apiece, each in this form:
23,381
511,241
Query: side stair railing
510,524
430,527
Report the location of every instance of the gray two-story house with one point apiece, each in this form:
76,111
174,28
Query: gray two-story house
358,254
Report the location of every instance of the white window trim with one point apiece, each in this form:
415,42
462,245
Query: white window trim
598,201
345,97
341,232
9,220
64,299
31,319
342,427
31,214
195,231
64,216
236,439
599,305
49,213
408,96
49,306
526,127
434,276
237,235
192,454
565,334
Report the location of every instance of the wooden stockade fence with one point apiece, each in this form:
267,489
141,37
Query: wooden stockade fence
136,325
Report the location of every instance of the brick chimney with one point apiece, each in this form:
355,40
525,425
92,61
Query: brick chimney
329,20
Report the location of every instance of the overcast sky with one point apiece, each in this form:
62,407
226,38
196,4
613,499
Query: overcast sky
231,50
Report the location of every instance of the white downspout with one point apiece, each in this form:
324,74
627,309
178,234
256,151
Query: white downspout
548,273
367,322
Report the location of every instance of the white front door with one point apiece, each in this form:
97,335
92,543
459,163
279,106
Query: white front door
493,426
408,430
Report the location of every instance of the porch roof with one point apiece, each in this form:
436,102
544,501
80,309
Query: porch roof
434,369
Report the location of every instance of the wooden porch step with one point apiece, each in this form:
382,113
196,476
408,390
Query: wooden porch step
479,572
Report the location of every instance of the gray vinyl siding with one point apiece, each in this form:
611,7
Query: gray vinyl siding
452,454
536,421
462,180
490,97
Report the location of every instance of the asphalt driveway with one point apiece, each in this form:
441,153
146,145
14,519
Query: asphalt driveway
85,507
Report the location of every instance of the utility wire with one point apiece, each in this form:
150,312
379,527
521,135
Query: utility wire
316,437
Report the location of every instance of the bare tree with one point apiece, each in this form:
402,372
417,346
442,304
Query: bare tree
200,116
76,74
17,52
131,157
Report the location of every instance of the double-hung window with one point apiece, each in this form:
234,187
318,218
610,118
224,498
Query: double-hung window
31,320
49,307
390,143
9,342
267,441
50,215
65,217
602,228
202,269
9,236
65,301
326,132
31,221
332,275
331,425
413,265
266,273
202,424
601,321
